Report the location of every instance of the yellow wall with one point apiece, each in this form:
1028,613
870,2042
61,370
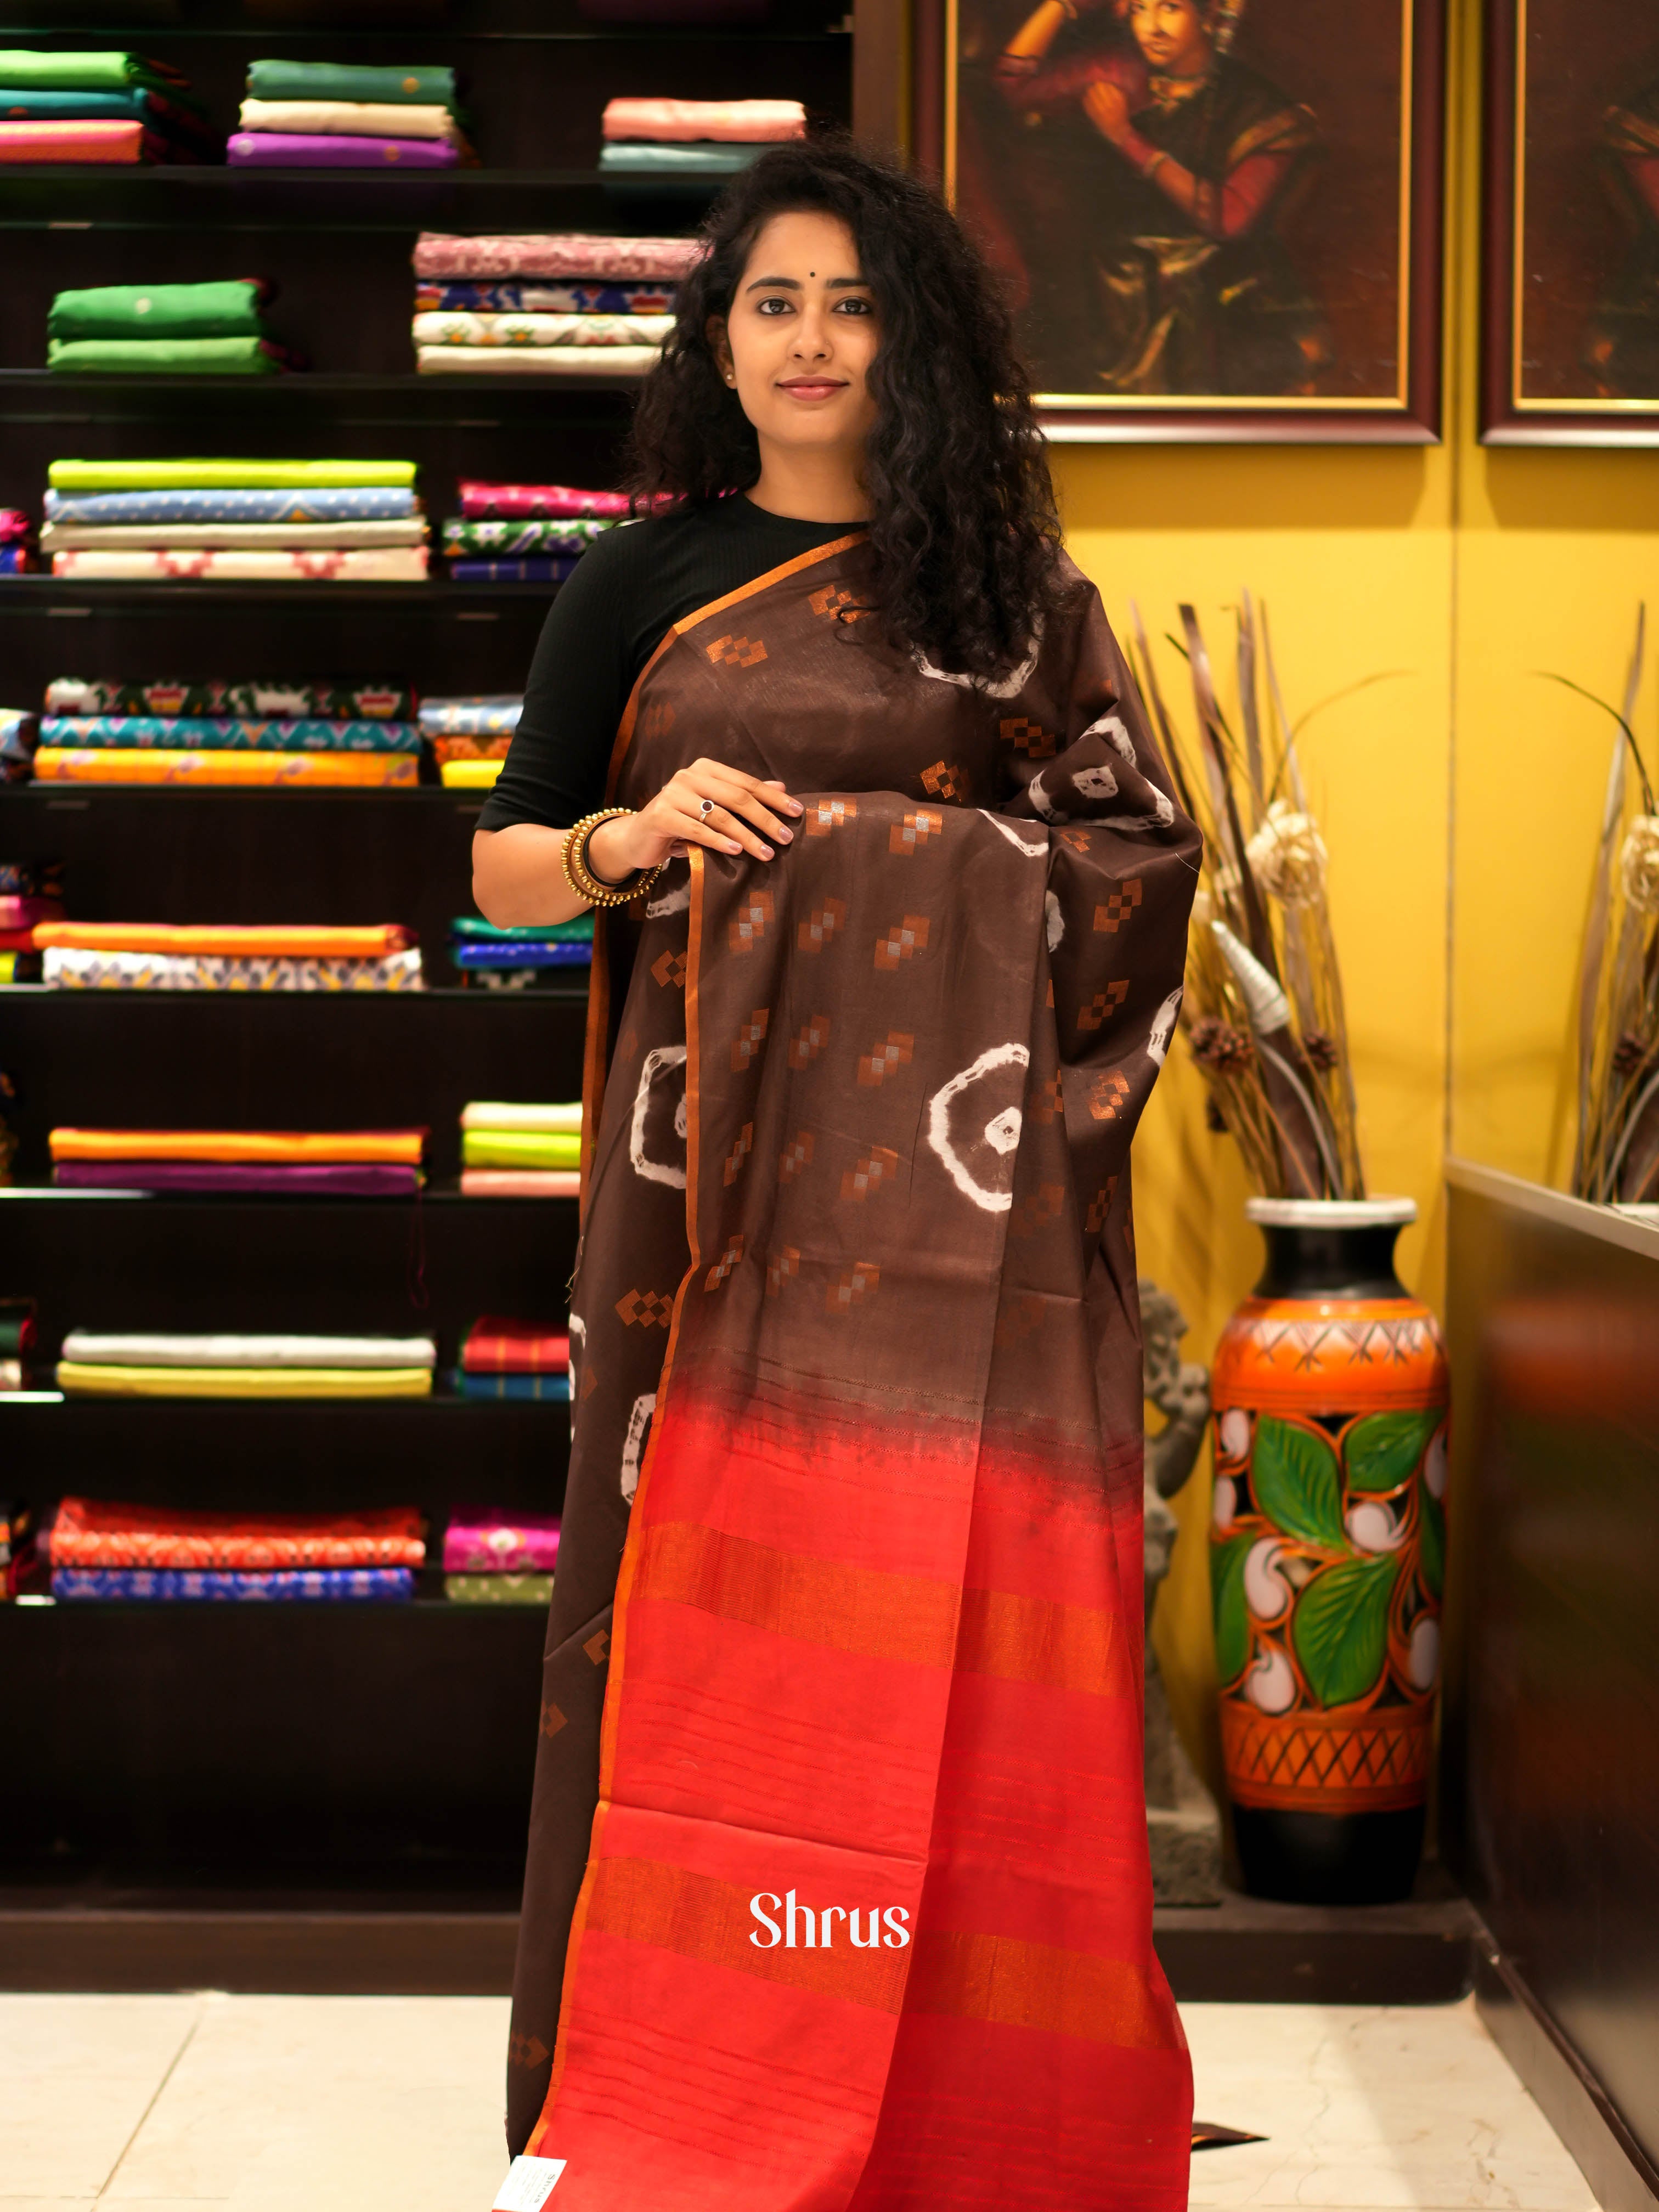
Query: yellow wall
1459,802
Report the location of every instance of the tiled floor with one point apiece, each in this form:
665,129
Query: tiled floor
344,2104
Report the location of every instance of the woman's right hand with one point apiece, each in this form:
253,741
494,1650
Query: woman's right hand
744,813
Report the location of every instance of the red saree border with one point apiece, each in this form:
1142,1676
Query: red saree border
627,1571
599,989
594,1080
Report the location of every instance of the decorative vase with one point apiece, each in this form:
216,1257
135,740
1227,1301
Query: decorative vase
1327,1554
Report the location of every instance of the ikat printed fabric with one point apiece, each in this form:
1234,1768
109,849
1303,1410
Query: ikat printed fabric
179,1585
254,701
68,969
436,297
221,734
366,503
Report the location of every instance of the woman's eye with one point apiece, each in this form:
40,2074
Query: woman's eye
769,306
855,307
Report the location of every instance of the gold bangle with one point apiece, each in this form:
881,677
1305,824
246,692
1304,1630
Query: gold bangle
581,878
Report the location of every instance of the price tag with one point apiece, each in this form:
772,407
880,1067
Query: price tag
530,2182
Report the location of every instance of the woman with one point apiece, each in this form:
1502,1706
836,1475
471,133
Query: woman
1621,344
842,1899
1191,291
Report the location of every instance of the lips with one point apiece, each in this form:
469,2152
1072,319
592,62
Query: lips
813,387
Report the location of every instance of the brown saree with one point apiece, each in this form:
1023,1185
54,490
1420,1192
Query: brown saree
846,1634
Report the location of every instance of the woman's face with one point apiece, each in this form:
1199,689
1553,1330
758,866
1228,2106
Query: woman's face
801,334
1171,34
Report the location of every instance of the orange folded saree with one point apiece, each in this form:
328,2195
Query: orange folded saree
837,1897
109,764
277,942
400,1147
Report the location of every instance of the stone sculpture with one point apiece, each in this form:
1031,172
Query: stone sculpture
1183,1824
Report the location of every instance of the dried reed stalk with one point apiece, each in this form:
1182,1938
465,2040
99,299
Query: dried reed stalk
1263,1013
1616,1151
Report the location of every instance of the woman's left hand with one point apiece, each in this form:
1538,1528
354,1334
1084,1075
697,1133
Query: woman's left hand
1108,109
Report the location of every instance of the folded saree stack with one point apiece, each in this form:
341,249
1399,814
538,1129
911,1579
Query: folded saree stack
329,115
492,1557
565,304
234,520
16,542
520,958
141,955
532,533
259,733
17,1320
99,107
142,1364
658,146
98,1550
241,1162
31,891
470,736
20,733
522,1150
163,329
523,1359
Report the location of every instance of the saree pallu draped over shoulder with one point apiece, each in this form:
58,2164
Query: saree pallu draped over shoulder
838,1897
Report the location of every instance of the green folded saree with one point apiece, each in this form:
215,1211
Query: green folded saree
21,66
520,1148
228,475
230,309
470,928
341,81
161,357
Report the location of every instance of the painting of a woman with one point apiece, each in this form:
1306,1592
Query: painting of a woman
1174,159
1621,350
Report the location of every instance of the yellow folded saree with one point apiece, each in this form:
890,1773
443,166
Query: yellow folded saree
86,1378
397,1147
110,764
521,1148
230,941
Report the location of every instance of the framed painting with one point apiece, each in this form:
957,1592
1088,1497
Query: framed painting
1215,219
1572,307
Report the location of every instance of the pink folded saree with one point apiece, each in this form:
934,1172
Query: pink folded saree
292,150
109,140
483,502
556,253
371,564
742,122
521,1182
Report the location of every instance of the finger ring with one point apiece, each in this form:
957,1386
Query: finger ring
705,807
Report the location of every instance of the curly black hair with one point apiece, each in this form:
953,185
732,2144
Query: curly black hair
963,528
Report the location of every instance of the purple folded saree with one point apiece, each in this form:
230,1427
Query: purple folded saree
306,1179
287,149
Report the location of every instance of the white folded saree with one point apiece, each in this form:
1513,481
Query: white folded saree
406,530
557,1120
167,1348
536,360
350,119
465,326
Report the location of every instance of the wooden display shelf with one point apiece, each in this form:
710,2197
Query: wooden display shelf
350,1783
31,595
43,395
